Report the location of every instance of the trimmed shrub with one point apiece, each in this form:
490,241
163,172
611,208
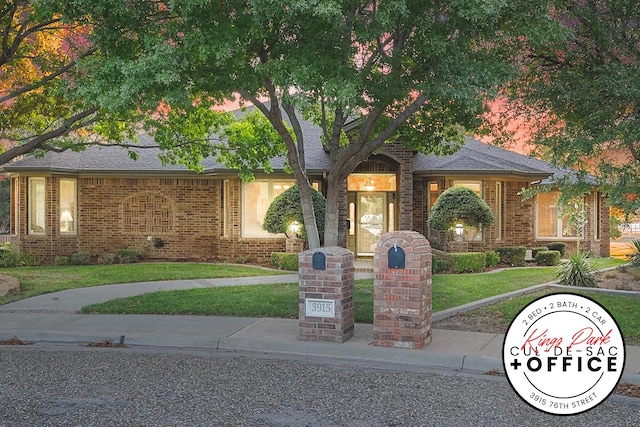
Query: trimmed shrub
128,256
61,260
439,266
548,257
287,208
512,255
107,258
492,259
80,258
459,205
534,251
577,272
470,262
557,246
284,261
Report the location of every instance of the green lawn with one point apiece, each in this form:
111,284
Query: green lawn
623,309
41,280
448,291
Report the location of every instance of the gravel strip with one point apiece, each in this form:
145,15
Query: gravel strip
69,386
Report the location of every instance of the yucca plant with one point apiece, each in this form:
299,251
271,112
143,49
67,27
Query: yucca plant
577,272
634,258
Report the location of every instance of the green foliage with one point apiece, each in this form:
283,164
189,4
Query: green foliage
614,227
557,246
287,208
634,258
548,258
79,258
128,255
472,262
284,261
577,89
577,272
534,251
492,259
107,259
10,257
512,255
62,260
440,266
459,205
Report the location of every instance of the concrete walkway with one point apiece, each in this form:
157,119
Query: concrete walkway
53,318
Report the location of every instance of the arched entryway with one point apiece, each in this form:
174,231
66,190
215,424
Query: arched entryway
372,192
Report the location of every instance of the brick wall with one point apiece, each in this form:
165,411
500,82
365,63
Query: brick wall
179,218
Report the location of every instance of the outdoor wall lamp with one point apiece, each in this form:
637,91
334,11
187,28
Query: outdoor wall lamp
459,229
294,228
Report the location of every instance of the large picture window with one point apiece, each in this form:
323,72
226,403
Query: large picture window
37,211
68,217
550,221
471,233
256,198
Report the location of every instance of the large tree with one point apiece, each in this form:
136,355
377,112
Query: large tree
38,56
581,94
419,71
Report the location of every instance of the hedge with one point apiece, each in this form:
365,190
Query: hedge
557,246
284,261
512,255
535,250
492,259
548,257
470,262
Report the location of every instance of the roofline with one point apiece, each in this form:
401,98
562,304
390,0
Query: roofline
466,172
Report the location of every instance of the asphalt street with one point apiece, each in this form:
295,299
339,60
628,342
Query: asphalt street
70,385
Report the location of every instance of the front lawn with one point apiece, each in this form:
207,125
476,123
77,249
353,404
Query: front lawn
41,280
449,290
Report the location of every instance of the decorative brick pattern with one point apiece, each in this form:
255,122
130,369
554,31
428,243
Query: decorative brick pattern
402,297
333,283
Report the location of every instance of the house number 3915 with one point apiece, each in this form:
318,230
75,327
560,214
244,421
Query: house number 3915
320,307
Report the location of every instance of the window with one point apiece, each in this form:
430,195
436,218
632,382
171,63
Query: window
498,211
36,207
256,198
550,222
226,208
68,218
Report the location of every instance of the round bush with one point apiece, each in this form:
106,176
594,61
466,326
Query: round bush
286,208
459,205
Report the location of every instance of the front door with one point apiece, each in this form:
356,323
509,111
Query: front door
371,221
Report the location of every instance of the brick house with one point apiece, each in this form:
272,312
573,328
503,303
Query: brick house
100,200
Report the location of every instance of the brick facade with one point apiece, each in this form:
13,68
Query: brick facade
177,218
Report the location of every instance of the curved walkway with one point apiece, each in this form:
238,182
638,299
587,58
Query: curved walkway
53,318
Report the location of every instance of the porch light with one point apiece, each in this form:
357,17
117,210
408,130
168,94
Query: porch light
294,228
459,229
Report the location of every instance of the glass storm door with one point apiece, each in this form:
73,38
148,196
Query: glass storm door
371,222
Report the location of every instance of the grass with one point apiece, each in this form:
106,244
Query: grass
623,309
41,280
448,291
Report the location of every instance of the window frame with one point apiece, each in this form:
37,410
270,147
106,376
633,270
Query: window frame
272,194
73,210
33,203
560,222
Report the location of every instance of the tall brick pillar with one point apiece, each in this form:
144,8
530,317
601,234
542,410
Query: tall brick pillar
402,290
326,311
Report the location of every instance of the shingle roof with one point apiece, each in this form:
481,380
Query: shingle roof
477,158
473,158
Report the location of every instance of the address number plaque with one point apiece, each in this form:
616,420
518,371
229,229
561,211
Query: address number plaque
320,307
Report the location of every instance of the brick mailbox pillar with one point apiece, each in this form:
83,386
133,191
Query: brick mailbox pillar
402,290
326,310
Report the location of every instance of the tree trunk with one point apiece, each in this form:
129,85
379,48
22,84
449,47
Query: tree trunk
308,214
331,218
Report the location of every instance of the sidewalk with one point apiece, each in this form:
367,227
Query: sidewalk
53,318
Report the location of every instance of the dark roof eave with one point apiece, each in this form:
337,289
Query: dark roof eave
484,173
